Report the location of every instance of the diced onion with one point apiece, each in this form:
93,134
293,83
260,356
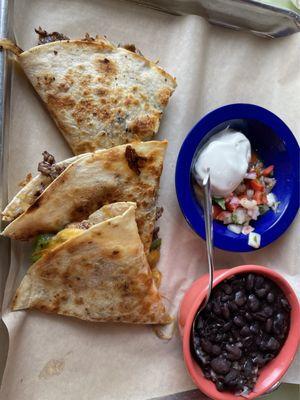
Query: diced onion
254,240
251,175
248,204
250,193
235,228
271,198
247,229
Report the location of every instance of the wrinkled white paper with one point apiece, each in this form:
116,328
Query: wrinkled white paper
52,357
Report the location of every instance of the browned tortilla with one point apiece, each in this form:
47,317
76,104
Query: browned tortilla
88,183
100,275
98,94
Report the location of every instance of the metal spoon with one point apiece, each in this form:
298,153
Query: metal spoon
207,208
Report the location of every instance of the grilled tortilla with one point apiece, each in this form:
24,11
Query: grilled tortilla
98,94
99,274
122,173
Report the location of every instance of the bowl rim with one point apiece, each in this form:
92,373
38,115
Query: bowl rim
186,154
289,348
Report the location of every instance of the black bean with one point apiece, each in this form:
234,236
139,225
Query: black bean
261,293
268,325
273,344
248,316
232,306
238,321
259,281
199,324
227,326
285,304
254,328
242,328
270,297
225,311
231,378
253,302
260,316
233,351
278,323
249,368
225,298
219,338
227,289
240,298
220,365
248,341
250,282
245,331
258,359
216,350
236,334
217,308
202,357
206,345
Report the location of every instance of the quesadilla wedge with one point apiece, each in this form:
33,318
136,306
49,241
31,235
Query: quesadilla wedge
123,173
99,95
99,273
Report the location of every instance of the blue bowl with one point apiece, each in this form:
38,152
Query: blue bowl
273,141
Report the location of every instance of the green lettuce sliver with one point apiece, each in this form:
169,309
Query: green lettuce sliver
41,243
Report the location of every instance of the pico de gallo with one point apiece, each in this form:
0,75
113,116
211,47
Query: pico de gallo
251,199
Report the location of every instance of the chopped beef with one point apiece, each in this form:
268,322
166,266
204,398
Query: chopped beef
84,224
48,167
135,162
131,47
45,37
159,212
155,233
88,38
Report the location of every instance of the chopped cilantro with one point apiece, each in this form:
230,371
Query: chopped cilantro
234,218
220,201
263,208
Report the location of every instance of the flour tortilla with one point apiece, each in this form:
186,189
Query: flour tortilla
98,94
100,275
87,184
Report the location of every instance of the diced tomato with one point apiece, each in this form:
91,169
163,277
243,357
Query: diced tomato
256,185
260,197
216,210
267,171
264,199
232,204
224,216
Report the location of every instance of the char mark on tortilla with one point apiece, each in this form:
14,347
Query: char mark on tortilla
135,162
131,47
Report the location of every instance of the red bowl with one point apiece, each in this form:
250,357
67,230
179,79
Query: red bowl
272,372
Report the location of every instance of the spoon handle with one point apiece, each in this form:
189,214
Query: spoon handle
208,232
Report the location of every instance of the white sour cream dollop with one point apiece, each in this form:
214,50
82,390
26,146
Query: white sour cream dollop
227,154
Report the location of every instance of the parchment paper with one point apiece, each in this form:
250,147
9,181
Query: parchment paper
53,357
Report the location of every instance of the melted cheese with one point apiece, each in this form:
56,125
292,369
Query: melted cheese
60,238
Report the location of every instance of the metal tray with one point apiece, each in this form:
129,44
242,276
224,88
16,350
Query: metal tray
179,7
262,19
